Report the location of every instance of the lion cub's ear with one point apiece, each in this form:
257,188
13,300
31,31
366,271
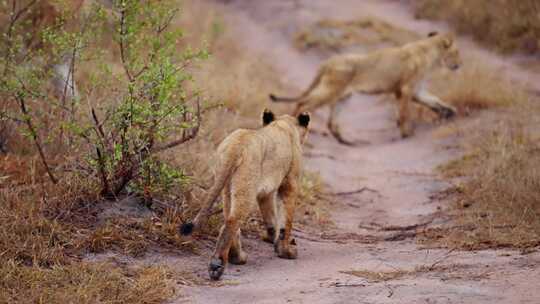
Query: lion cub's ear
447,41
431,34
303,119
267,117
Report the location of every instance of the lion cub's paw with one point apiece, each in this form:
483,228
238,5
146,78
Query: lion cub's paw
447,113
239,258
216,269
406,130
269,235
286,251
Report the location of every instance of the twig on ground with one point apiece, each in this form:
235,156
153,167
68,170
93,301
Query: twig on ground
442,259
343,193
401,236
339,284
405,228
390,290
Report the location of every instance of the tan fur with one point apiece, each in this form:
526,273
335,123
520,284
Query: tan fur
257,166
399,70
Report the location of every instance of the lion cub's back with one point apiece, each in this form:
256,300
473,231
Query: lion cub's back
264,154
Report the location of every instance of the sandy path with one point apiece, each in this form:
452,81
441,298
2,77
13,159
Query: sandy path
400,171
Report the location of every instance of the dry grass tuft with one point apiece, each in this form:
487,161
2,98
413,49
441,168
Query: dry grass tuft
498,197
451,271
378,276
338,35
134,236
507,25
477,86
313,202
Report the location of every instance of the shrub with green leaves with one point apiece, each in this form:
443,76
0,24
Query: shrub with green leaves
111,131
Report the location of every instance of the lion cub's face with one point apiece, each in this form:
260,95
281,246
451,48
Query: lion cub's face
300,122
451,58
450,54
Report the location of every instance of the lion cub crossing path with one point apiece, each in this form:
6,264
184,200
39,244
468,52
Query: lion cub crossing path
256,165
400,70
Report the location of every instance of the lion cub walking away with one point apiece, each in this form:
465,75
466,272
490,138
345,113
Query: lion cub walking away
256,166
399,70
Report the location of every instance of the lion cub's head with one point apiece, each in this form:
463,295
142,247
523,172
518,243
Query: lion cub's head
450,53
300,122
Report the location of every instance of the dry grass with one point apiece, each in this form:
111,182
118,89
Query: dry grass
84,283
505,24
476,86
498,190
44,234
43,227
498,198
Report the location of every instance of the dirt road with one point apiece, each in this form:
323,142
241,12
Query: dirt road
400,174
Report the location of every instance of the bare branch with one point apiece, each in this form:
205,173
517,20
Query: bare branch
122,44
22,10
70,79
193,133
127,176
101,162
98,126
167,22
35,137
9,32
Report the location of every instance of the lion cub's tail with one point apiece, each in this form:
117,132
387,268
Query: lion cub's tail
313,84
222,175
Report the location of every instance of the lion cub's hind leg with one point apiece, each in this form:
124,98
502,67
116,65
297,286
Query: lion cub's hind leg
333,126
443,109
220,258
267,205
285,245
235,210
404,123
236,255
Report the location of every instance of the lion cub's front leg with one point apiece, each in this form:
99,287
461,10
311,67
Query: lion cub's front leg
237,255
285,246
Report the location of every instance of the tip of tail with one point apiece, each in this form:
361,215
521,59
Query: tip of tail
273,97
186,228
